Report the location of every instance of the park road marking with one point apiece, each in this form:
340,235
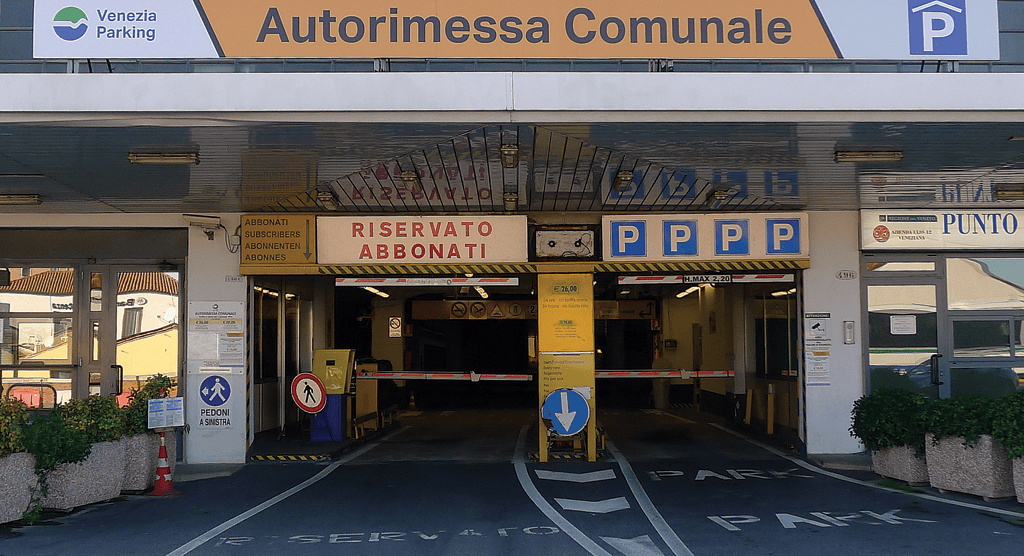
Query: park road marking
207,536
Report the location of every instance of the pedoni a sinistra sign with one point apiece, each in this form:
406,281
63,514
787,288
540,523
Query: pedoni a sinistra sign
675,29
948,229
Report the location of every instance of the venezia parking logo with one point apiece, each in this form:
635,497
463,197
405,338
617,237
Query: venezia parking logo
70,23
938,28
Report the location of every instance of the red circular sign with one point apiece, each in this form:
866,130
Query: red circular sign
881,234
309,393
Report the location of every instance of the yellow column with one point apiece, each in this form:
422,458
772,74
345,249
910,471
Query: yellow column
565,325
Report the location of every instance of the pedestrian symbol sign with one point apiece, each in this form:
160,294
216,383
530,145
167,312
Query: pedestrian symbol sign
215,390
308,392
567,410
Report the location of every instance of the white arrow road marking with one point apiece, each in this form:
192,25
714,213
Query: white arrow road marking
565,417
637,546
594,507
602,475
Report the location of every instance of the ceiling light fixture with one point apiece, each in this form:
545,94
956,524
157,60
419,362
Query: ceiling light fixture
412,182
784,293
480,290
164,158
869,156
374,290
1008,191
623,180
511,201
21,199
687,291
326,199
509,156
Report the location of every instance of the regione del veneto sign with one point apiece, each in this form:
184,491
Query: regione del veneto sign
674,29
421,239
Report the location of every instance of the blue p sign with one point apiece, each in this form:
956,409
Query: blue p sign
732,237
680,237
783,235
629,239
938,28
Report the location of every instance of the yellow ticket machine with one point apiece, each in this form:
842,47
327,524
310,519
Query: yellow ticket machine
334,367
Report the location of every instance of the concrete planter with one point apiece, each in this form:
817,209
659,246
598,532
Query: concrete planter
983,470
17,477
141,452
96,479
139,462
901,463
1018,478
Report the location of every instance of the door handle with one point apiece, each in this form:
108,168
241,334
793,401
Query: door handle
935,369
120,378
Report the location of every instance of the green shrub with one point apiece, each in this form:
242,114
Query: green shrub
136,413
1008,426
966,416
98,417
889,418
53,442
12,414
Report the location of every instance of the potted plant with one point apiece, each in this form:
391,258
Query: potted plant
51,443
98,477
142,446
16,465
890,423
1008,430
961,453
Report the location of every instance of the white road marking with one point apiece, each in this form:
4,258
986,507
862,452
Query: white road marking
602,475
519,460
659,523
637,546
820,471
595,506
205,537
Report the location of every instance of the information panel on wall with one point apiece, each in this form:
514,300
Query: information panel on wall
696,29
942,229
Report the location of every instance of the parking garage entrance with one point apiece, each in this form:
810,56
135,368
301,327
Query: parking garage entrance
723,343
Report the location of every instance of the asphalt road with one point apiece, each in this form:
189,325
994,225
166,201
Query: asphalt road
463,483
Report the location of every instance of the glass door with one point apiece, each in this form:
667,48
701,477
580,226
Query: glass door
129,323
906,344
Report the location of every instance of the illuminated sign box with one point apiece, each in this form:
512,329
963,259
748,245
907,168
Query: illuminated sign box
698,29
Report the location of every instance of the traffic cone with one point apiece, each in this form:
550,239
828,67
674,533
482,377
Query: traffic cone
164,485
412,400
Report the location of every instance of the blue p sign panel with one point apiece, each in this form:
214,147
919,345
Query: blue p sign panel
629,239
732,237
783,235
938,27
680,237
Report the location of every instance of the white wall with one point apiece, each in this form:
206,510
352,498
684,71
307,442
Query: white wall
834,247
211,274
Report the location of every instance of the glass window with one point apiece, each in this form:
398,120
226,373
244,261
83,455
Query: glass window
993,382
38,290
35,340
981,338
977,284
901,266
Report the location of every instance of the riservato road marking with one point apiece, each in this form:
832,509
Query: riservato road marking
519,461
212,533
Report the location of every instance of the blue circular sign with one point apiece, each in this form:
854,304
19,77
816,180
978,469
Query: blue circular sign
215,390
567,410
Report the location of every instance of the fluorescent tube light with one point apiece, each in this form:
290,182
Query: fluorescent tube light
21,199
163,158
869,156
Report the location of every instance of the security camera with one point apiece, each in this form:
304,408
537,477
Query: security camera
202,221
